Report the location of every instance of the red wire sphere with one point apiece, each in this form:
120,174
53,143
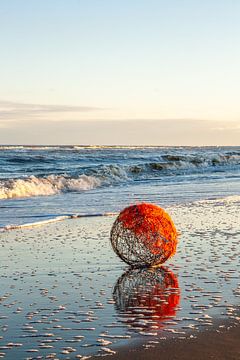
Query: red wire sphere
144,235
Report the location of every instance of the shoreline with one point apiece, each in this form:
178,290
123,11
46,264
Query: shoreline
66,292
55,219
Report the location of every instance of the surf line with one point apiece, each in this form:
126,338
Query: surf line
56,219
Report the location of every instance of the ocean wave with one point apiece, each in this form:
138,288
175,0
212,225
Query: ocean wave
50,185
78,147
115,168
28,159
111,174
26,173
177,162
167,165
30,147
93,176
11,147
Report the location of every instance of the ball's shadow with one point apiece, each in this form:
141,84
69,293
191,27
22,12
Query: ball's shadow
145,297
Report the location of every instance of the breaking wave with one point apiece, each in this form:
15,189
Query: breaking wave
48,171
50,185
94,176
176,164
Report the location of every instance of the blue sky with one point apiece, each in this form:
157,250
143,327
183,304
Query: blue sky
76,63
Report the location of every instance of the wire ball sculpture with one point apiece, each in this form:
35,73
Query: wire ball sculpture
153,292
144,235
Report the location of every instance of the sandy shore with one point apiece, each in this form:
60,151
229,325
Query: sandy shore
221,345
65,292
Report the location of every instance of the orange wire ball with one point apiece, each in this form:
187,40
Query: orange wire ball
144,235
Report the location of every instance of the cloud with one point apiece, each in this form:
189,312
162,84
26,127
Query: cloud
16,111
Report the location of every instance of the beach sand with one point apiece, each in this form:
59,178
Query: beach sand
213,345
64,292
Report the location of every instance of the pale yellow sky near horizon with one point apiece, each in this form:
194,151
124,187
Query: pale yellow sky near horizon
131,132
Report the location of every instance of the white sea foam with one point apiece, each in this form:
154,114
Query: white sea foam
37,223
50,185
11,147
53,220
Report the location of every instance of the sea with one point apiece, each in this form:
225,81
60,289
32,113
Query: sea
40,184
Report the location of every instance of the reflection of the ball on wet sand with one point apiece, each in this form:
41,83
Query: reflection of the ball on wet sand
146,297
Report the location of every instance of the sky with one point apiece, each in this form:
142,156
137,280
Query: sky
120,72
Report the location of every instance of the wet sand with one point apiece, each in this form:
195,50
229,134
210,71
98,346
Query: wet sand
65,294
210,345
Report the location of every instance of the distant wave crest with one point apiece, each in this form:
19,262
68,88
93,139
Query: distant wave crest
50,185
